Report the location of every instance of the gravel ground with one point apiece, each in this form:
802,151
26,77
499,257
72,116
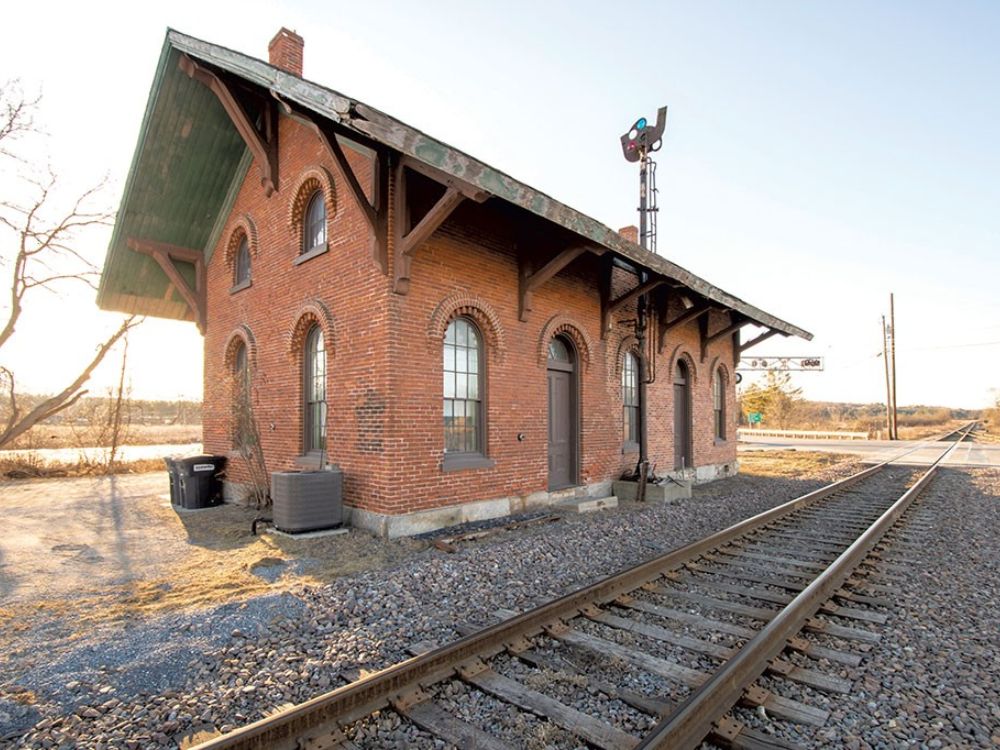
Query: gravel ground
290,648
934,679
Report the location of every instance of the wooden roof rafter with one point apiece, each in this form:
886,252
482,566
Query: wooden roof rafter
694,313
529,279
406,238
375,210
262,141
165,254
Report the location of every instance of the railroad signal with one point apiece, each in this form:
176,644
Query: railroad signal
643,138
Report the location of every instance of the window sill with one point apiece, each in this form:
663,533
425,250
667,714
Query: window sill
241,286
630,448
316,251
466,461
720,441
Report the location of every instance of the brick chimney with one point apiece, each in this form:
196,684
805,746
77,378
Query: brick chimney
631,233
285,51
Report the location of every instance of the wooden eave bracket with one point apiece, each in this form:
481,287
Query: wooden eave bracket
406,241
263,145
375,211
695,313
737,323
529,281
467,189
609,308
165,255
760,339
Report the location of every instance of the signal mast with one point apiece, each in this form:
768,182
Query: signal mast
638,143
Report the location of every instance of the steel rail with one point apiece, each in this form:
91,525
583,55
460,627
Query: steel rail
324,713
694,719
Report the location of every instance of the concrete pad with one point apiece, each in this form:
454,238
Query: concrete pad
666,492
589,504
307,534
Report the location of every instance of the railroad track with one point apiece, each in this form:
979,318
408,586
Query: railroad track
727,639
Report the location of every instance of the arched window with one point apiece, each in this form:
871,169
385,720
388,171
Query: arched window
243,432
314,223
314,391
630,399
463,388
719,403
241,272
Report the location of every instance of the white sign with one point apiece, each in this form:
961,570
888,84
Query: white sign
780,363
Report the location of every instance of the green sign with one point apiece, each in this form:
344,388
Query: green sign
755,417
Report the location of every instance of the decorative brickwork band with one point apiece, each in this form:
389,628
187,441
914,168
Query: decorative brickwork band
240,335
719,364
681,352
312,179
242,226
469,305
563,325
313,313
628,344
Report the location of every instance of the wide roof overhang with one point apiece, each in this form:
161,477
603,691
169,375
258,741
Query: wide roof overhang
190,160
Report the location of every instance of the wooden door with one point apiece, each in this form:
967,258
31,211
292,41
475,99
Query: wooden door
682,417
562,416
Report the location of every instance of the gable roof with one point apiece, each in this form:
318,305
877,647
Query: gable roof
183,179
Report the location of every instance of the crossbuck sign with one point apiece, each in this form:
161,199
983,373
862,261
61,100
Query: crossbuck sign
780,363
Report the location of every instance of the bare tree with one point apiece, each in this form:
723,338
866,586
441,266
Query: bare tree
41,256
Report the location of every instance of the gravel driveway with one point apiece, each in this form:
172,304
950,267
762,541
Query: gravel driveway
246,659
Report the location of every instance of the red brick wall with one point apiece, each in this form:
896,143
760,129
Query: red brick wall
384,359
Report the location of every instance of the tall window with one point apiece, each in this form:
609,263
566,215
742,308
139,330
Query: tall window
242,271
314,388
463,391
242,406
630,398
719,403
314,224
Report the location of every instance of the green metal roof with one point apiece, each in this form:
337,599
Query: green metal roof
185,161
189,154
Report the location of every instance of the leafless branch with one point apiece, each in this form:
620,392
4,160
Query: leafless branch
69,395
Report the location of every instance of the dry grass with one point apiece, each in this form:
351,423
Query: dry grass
789,463
76,436
27,468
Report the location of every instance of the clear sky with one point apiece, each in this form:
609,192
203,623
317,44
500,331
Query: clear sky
818,155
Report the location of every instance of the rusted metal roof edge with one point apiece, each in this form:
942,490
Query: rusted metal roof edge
372,123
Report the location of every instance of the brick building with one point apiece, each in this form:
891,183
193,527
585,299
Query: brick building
459,344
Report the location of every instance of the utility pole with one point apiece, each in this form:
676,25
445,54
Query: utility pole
888,388
892,329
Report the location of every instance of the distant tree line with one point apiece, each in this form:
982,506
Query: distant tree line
781,406
138,411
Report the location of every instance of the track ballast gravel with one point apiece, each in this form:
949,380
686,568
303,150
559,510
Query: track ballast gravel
366,621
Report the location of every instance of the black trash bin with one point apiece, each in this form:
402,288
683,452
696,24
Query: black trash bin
175,481
199,482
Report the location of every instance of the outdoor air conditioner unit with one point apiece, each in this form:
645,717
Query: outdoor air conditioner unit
307,500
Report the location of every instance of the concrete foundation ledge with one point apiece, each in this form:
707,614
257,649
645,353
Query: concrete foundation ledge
420,522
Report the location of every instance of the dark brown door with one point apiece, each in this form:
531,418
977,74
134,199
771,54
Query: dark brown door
682,417
562,416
